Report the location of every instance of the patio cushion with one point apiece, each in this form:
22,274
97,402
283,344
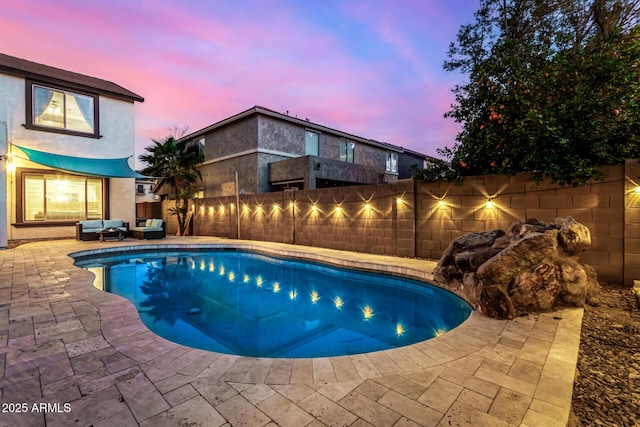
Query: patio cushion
91,224
156,223
148,223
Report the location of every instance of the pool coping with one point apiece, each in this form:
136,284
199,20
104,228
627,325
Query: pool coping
480,368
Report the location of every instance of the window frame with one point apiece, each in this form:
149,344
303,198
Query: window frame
389,162
29,114
346,144
317,143
21,173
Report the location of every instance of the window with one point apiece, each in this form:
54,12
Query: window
140,189
392,162
54,197
347,149
200,145
311,143
61,110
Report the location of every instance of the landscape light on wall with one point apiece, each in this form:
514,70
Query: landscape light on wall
211,210
637,190
314,208
338,209
367,207
441,203
489,203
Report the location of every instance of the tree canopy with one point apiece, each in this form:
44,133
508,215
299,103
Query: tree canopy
552,89
175,161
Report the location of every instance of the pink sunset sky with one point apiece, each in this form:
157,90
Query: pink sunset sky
372,68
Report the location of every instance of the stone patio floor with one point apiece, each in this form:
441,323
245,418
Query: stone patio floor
62,341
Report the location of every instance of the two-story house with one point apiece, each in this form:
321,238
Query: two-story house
272,151
67,147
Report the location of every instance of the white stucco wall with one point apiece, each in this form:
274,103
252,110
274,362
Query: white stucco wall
117,128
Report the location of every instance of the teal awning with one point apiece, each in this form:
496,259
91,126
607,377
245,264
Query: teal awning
106,168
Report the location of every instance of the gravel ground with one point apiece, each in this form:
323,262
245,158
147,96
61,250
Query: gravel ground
607,387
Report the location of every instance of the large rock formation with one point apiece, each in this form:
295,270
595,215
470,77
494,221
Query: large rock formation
532,266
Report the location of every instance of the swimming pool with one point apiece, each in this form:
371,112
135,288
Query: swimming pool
250,304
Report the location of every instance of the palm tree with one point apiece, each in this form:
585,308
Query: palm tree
175,161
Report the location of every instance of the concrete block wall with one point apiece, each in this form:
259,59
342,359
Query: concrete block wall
631,227
411,219
447,211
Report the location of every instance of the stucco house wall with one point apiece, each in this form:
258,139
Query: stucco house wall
262,138
116,118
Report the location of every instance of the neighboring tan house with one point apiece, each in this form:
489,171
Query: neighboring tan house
271,151
59,134
144,193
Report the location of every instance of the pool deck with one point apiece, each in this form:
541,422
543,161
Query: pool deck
62,341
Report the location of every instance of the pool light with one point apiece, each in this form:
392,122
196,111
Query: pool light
399,330
232,276
339,302
439,332
293,295
315,297
276,287
246,278
367,312
259,281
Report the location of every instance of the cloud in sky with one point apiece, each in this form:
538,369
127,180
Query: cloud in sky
370,68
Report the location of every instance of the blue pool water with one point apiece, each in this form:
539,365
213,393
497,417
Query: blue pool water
249,304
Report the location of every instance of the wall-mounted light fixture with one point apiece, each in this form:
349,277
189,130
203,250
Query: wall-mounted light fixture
489,203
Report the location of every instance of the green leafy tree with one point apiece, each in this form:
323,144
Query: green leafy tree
552,90
175,161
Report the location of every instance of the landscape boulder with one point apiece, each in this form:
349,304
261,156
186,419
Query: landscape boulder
532,266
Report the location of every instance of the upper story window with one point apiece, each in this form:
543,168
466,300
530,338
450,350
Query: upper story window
392,162
347,149
200,144
311,143
60,110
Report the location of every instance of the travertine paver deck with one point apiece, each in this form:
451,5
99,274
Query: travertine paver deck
86,354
